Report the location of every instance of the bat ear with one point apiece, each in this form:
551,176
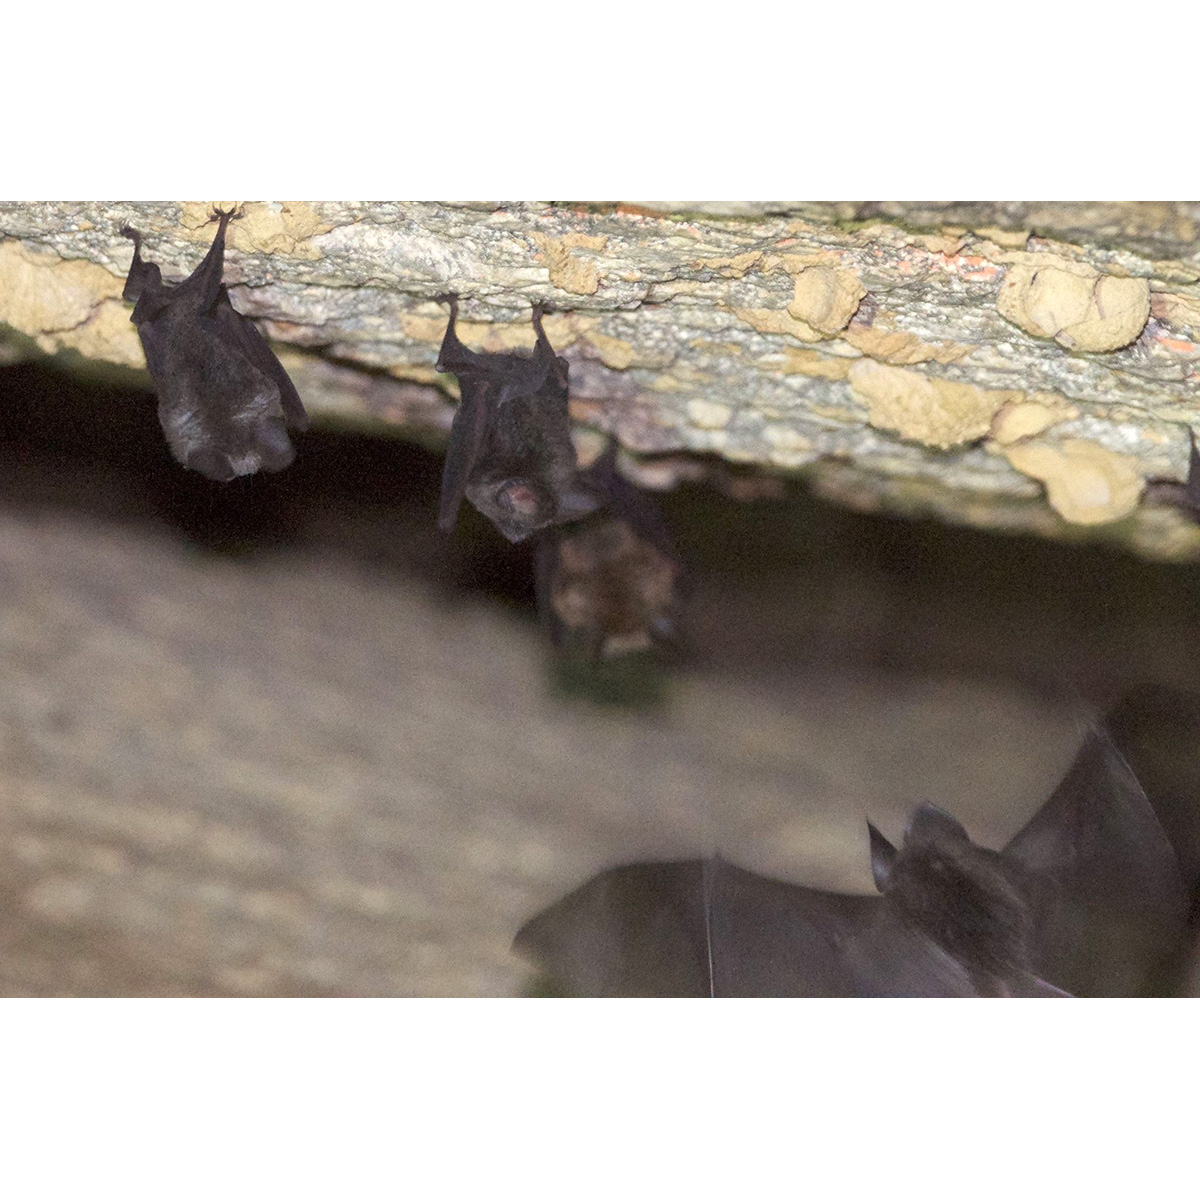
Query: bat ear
883,858
932,826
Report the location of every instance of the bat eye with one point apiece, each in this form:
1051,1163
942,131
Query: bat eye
518,498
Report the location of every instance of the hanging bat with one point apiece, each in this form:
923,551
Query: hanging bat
510,451
1087,899
609,583
224,401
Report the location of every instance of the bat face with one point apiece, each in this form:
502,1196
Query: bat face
224,401
516,505
1086,899
963,900
609,584
510,449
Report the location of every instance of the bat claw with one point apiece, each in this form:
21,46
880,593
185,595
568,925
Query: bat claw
450,298
127,231
230,214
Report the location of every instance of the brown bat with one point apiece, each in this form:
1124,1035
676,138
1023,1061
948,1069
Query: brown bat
609,583
1087,899
510,450
224,401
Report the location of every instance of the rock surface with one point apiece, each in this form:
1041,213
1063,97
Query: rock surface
1011,365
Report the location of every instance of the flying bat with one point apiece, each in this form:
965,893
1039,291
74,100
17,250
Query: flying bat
224,401
609,583
510,450
1087,899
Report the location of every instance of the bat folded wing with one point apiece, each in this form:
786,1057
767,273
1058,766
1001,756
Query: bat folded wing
468,433
221,415
242,335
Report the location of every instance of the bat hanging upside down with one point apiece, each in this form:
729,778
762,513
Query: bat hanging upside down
510,450
1087,899
610,583
224,401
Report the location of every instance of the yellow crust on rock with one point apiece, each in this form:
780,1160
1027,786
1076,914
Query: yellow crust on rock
1030,416
66,304
1074,304
1086,483
568,271
825,298
923,408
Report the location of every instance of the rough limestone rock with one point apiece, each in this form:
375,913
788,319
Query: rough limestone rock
1014,365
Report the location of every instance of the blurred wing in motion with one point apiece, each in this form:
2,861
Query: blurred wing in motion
1107,898
694,928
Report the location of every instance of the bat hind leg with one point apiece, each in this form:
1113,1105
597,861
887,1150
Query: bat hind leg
143,277
540,310
452,351
225,215
542,350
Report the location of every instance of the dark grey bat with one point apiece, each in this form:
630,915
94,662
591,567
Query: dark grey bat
609,583
510,450
224,401
1087,899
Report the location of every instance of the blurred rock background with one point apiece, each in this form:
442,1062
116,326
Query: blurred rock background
283,738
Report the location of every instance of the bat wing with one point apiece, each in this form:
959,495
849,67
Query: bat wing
154,345
635,930
1158,732
468,432
695,929
770,938
221,414
1108,901
241,334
